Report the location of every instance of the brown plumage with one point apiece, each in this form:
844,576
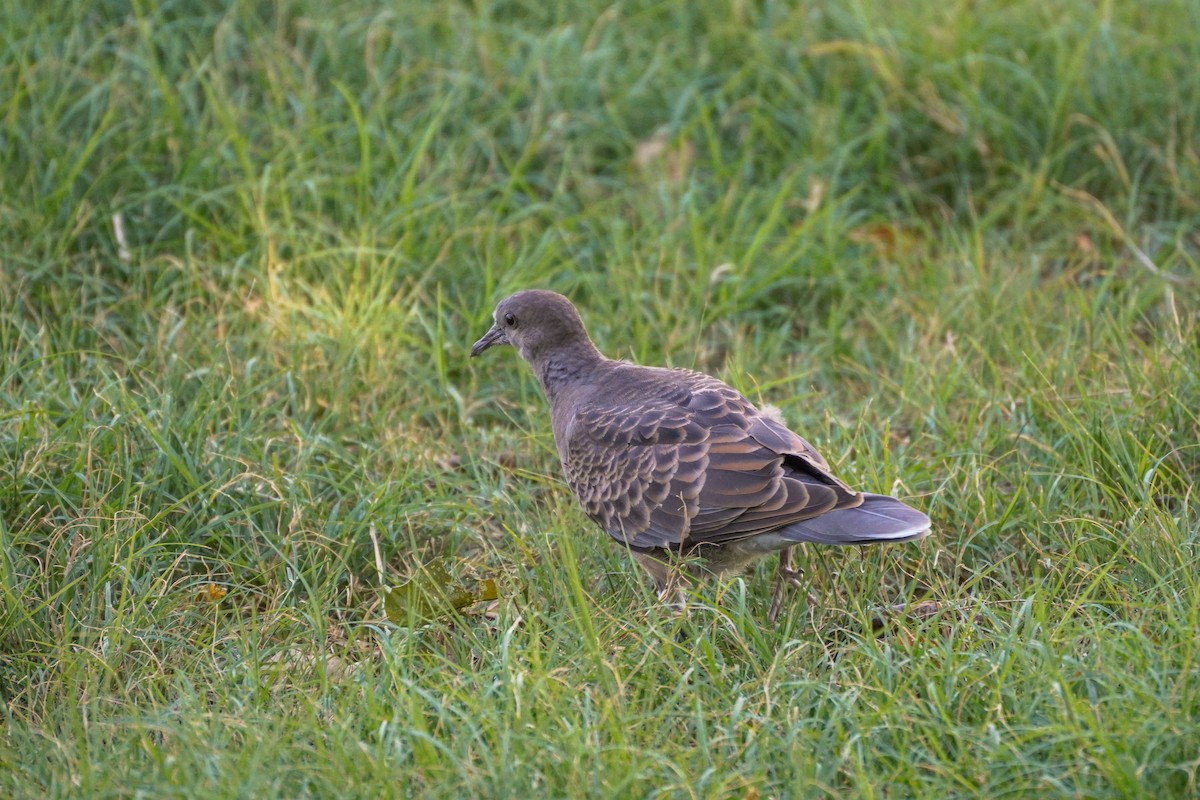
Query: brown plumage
675,462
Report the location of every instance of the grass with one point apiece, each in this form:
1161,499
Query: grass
244,252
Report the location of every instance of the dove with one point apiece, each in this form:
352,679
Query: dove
680,468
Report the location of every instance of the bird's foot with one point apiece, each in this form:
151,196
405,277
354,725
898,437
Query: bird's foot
670,585
786,577
674,597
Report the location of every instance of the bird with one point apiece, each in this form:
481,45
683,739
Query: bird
679,467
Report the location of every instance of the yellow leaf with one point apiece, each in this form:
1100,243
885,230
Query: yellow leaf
431,594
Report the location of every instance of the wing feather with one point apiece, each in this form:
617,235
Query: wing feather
679,468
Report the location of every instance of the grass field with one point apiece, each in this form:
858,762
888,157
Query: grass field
244,253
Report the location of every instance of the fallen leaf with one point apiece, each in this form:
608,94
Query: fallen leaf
816,193
657,151
431,594
880,235
1083,242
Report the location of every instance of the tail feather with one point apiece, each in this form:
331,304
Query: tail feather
879,519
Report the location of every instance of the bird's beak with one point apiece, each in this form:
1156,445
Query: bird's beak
490,339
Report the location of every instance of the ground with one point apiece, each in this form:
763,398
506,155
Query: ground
244,252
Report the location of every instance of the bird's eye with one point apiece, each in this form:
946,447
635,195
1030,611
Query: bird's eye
510,320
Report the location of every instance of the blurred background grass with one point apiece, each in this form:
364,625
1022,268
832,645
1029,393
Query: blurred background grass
245,249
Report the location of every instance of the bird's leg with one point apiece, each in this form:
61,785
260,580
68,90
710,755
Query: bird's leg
669,584
785,576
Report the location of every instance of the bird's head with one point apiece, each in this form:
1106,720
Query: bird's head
537,323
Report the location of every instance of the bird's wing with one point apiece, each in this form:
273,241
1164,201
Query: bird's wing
703,467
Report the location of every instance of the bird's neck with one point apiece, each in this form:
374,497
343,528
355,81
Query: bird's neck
566,367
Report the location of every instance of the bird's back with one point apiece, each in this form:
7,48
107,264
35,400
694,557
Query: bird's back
676,458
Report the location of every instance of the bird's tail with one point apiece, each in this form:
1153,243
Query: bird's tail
878,519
